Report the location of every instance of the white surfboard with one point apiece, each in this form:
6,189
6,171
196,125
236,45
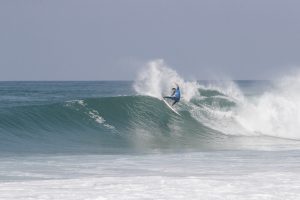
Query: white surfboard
171,107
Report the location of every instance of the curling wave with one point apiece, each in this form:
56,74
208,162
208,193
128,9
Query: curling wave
213,114
107,122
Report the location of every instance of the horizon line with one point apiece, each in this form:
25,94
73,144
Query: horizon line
129,80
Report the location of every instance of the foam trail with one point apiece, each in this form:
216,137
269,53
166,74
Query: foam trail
157,79
93,114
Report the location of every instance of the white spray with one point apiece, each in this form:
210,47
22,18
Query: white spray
157,79
274,113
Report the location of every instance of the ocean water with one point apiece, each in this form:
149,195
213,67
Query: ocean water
118,140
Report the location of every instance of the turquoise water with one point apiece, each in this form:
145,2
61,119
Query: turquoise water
110,140
111,117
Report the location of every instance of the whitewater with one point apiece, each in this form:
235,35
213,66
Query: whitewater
118,140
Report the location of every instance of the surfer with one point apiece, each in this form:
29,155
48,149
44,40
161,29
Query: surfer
175,96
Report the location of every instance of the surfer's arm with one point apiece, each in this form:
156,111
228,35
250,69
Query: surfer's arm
173,93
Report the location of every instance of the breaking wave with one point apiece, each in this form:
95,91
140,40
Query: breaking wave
212,113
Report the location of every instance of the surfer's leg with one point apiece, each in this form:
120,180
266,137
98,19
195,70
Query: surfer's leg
167,97
174,102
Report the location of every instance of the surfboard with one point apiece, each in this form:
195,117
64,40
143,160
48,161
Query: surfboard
171,107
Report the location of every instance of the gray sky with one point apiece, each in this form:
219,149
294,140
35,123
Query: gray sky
111,39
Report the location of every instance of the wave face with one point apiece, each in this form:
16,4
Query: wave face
137,122
130,116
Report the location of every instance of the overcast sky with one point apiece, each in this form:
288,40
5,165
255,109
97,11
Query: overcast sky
112,39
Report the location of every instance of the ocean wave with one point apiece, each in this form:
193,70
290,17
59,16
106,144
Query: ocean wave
210,115
123,121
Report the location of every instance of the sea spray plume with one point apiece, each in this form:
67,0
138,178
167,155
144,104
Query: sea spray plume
156,79
276,112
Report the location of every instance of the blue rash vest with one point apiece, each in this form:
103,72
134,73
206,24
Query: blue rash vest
177,94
